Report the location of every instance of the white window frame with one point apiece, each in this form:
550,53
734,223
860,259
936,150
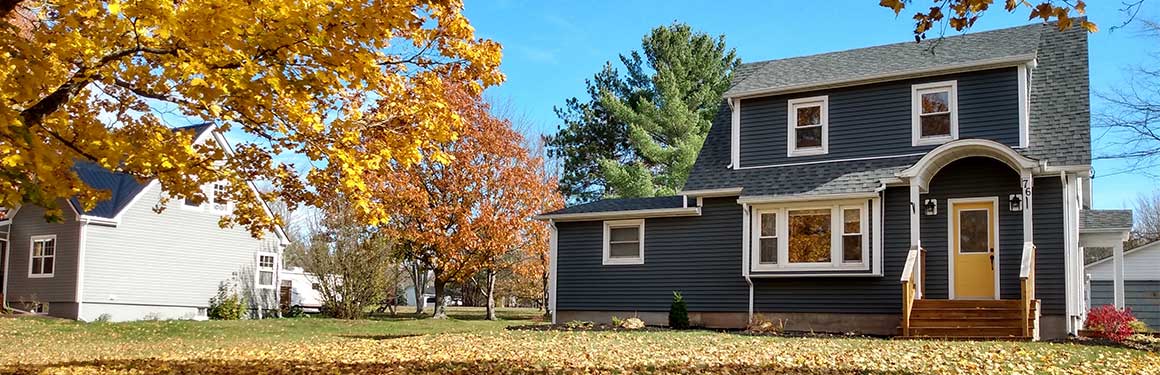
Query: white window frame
31,249
212,198
608,226
791,107
916,92
776,236
837,227
258,269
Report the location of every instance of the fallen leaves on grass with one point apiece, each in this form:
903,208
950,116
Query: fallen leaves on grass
514,352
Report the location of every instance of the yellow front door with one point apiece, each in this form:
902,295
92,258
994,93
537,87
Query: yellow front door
973,237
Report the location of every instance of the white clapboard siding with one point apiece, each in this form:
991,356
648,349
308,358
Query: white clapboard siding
1142,263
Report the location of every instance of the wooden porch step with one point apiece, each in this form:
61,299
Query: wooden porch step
979,331
965,319
944,303
968,322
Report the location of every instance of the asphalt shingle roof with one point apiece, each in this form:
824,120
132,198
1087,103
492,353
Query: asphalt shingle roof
624,204
1105,219
121,186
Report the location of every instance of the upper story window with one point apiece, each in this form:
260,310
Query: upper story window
220,202
811,237
42,256
624,242
934,113
808,126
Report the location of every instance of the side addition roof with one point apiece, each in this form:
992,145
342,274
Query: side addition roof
1105,219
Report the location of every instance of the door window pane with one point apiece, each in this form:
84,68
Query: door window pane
973,231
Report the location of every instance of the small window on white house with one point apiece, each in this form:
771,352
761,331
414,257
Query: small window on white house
220,202
266,271
935,118
624,242
42,259
808,126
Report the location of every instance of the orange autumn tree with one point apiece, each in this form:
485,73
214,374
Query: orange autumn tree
93,80
464,215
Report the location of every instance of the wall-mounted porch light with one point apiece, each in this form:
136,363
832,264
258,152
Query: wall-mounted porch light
1016,202
930,207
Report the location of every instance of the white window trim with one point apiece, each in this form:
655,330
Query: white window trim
791,124
258,270
608,225
836,233
757,234
55,249
212,197
916,91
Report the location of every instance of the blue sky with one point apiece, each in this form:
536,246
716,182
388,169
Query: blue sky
551,47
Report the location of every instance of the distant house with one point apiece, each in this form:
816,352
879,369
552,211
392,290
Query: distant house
123,261
1141,282
300,289
886,190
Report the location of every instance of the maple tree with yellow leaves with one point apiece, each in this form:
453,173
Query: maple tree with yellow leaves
962,14
351,87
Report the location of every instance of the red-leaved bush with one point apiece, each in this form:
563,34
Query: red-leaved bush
1110,323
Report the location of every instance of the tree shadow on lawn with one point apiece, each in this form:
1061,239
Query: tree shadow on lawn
159,366
380,337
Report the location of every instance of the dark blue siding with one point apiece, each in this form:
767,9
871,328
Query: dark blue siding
874,120
1049,235
699,256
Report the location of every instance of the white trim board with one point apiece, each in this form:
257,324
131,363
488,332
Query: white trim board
603,215
951,241
607,259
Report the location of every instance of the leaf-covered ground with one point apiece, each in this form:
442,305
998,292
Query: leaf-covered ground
469,346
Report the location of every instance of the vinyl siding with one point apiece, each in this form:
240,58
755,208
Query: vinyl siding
698,256
1138,265
1142,296
875,120
1047,214
176,258
60,290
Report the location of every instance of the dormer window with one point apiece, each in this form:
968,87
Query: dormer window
808,126
934,113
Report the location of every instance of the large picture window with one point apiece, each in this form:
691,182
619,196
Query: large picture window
808,126
935,118
826,236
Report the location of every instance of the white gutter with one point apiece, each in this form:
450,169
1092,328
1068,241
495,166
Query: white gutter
941,69
804,198
658,212
710,193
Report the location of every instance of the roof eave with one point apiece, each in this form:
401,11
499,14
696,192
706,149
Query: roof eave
1008,61
605,215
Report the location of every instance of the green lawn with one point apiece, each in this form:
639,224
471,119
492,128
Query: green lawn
468,345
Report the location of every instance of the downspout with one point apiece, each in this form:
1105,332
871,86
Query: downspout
7,259
745,258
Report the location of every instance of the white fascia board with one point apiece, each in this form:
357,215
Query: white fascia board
710,193
631,214
283,239
804,198
892,76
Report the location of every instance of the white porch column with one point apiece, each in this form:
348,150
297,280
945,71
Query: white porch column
1027,183
915,233
1118,271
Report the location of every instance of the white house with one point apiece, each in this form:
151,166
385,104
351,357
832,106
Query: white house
1141,282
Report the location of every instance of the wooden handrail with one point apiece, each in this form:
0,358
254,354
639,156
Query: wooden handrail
909,286
1027,285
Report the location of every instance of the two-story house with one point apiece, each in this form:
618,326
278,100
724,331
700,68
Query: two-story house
921,189
122,260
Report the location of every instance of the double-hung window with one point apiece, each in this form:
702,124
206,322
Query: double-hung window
266,268
817,236
42,256
624,242
934,113
220,202
809,128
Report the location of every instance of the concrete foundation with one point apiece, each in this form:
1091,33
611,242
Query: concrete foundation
869,324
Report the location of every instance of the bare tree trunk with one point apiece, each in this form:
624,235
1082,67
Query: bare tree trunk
419,282
490,294
545,278
440,307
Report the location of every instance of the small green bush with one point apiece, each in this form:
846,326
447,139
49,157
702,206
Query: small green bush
1139,326
678,312
226,305
294,312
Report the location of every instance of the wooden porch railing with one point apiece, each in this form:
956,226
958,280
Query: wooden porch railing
914,258
1027,285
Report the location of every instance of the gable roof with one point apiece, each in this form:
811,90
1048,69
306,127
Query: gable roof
1105,219
123,188
974,49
